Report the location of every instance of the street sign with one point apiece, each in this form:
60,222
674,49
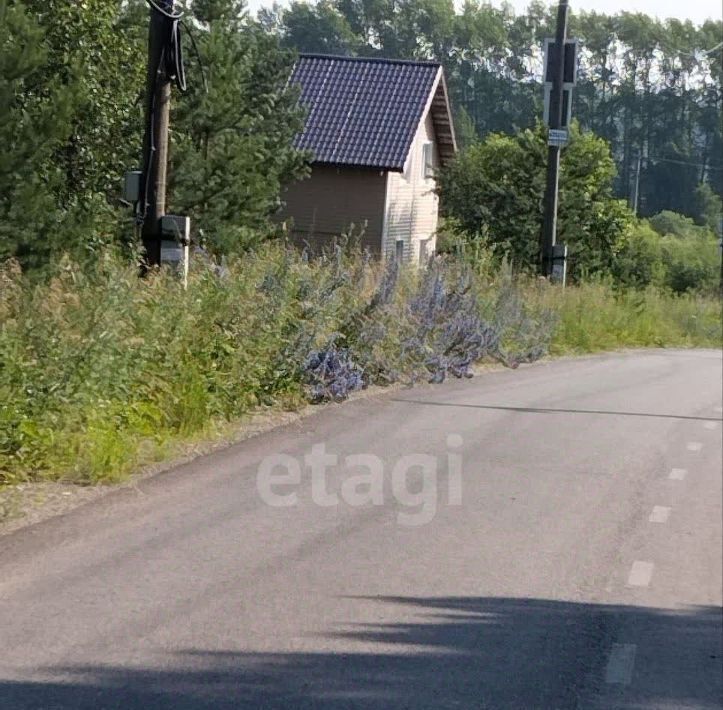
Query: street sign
570,78
566,106
557,137
571,50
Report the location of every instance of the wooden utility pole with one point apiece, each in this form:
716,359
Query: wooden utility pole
549,226
155,141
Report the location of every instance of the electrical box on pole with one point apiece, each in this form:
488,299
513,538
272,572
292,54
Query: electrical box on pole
146,188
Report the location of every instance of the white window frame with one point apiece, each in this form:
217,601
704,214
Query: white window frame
427,160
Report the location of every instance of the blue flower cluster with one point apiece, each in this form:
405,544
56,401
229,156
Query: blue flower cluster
332,374
449,334
431,327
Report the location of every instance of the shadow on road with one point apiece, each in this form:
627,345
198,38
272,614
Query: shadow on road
453,653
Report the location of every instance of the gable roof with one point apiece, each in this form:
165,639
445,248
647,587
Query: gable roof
365,112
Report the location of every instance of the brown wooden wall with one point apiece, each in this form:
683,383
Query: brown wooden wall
333,199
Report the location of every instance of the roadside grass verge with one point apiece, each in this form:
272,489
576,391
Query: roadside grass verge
102,372
595,317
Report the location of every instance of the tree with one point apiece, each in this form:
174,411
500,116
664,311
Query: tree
232,146
709,208
34,122
494,190
650,87
87,45
319,28
638,259
68,81
591,219
691,264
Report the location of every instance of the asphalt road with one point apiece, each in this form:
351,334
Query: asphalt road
578,566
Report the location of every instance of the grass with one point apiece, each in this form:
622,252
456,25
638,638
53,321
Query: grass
594,317
101,372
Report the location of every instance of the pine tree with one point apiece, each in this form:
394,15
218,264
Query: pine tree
34,121
70,124
88,45
232,145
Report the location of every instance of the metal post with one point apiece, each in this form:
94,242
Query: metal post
549,226
155,141
636,189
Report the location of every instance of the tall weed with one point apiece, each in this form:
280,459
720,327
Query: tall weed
101,371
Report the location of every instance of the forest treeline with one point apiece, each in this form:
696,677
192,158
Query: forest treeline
651,87
72,79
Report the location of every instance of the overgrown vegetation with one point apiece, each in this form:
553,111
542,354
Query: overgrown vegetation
493,196
101,371
494,192
72,77
671,252
98,369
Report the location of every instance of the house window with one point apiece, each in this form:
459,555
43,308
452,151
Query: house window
427,160
424,251
399,251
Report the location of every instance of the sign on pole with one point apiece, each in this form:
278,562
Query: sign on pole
570,71
557,137
566,106
570,78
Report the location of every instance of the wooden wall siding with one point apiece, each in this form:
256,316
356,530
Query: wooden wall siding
412,204
326,204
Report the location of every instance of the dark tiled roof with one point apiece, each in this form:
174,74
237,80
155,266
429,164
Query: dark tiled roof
362,112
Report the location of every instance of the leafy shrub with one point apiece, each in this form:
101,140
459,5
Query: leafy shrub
101,371
691,263
671,223
494,192
639,257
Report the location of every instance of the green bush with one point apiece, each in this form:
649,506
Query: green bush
691,263
689,254
639,257
667,223
494,192
101,371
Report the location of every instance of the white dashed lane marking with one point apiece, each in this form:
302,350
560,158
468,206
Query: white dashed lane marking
677,474
640,574
620,664
710,425
660,514
694,446
718,409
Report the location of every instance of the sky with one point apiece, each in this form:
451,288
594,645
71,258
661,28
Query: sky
696,10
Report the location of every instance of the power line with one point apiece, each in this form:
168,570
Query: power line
684,162
694,54
164,12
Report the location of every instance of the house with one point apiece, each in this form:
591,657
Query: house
378,130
